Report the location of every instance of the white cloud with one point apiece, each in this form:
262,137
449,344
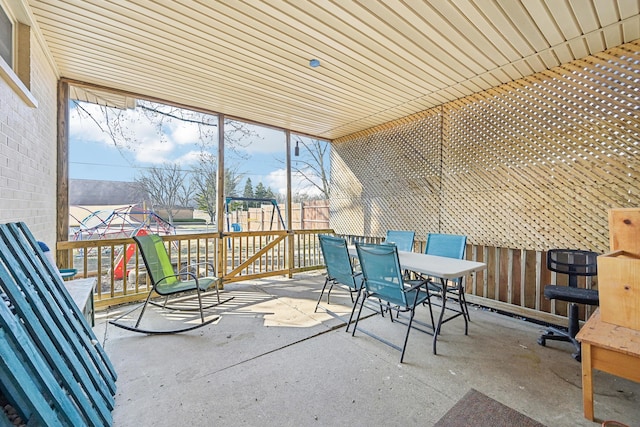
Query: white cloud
154,148
140,132
277,181
262,159
155,152
82,128
269,141
184,133
189,158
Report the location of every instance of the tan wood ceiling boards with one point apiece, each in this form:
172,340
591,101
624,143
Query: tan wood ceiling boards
379,60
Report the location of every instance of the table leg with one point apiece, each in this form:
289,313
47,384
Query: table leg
463,306
463,310
587,381
443,283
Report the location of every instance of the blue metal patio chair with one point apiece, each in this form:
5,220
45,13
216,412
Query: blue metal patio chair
383,280
339,269
450,246
402,239
166,282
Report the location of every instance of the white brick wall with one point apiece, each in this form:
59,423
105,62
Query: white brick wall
28,151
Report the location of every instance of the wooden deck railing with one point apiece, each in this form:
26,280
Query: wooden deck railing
121,277
513,281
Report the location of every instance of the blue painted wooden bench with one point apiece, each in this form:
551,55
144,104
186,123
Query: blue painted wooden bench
53,370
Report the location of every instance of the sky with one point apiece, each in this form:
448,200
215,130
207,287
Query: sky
94,155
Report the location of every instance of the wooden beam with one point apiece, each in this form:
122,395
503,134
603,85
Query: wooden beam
291,253
62,173
220,268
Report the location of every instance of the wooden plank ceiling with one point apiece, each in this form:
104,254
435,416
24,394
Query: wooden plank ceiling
380,60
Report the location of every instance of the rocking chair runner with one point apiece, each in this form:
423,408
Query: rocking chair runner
166,282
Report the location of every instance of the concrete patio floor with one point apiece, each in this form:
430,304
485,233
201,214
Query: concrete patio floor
270,360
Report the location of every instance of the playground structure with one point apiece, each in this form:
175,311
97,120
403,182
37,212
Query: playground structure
120,223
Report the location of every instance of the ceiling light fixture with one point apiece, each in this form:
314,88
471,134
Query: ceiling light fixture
314,63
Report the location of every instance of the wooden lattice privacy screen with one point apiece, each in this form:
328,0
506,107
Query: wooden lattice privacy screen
533,164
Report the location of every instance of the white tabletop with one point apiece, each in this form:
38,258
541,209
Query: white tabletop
436,266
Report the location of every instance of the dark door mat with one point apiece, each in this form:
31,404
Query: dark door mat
479,410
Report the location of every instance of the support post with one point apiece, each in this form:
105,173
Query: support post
221,257
291,252
62,174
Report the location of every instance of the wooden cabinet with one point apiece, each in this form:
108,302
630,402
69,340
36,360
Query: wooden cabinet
619,288
619,270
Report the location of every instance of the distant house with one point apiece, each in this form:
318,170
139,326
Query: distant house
89,192
88,195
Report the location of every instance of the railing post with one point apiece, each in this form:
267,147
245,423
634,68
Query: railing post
291,249
220,268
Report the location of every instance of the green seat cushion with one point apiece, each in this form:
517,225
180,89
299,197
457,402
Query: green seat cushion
204,283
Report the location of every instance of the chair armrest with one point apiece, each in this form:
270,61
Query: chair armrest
415,286
186,269
188,273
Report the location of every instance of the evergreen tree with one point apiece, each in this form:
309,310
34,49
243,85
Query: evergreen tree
248,192
260,191
270,194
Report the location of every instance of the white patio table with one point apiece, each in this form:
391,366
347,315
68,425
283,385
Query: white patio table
442,269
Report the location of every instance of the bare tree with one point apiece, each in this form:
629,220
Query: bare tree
185,193
310,164
204,179
232,179
165,187
121,126
168,186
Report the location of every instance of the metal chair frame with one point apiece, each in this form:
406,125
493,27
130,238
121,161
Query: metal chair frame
384,281
166,282
574,263
450,246
339,270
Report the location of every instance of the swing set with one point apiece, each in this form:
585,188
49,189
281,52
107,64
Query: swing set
274,209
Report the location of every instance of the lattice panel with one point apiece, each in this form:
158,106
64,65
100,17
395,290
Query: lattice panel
388,180
532,164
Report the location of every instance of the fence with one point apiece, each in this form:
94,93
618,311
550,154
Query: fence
513,281
310,215
121,277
